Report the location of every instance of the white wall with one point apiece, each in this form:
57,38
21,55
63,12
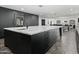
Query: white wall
58,18
67,19
47,20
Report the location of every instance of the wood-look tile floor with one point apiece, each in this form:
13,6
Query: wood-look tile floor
67,45
3,49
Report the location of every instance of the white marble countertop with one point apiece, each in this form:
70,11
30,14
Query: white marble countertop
32,29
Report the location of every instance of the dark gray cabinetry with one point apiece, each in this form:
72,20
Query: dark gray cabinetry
33,44
8,19
30,20
18,43
77,40
1,32
40,42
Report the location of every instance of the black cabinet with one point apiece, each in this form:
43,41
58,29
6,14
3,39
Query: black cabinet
1,33
8,18
33,44
18,43
30,20
77,40
40,42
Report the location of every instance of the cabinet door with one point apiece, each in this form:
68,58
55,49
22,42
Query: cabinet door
31,20
40,42
45,40
10,40
23,43
1,33
52,36
17,42
37,43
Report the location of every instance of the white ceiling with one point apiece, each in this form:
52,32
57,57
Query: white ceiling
47,10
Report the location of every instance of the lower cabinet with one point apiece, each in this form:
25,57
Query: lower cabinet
30,44
18,43
1,33
77,40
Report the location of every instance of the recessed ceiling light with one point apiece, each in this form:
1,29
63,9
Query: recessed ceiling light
71,9
40,5
22,9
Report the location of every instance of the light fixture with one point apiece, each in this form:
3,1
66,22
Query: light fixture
71,9
22,9
40,5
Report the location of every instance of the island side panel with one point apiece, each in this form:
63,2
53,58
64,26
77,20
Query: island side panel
17,42
43,41
39,42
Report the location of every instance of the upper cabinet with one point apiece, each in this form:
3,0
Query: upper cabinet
12,18
25,19
30,20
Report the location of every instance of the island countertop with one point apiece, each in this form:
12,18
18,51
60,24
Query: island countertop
31,30
34,40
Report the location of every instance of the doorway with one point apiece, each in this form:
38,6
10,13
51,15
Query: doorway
43,22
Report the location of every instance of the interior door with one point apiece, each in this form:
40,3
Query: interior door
43,21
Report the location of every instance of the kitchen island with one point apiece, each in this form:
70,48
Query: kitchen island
77,38
31,40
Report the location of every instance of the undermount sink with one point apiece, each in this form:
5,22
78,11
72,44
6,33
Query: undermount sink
22,29
26,29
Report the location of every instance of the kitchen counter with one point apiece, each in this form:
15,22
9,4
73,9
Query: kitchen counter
34,40
77,38
32,29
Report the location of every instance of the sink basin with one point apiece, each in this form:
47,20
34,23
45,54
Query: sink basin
22,29
26,29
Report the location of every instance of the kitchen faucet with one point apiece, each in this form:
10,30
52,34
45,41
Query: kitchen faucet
27,26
